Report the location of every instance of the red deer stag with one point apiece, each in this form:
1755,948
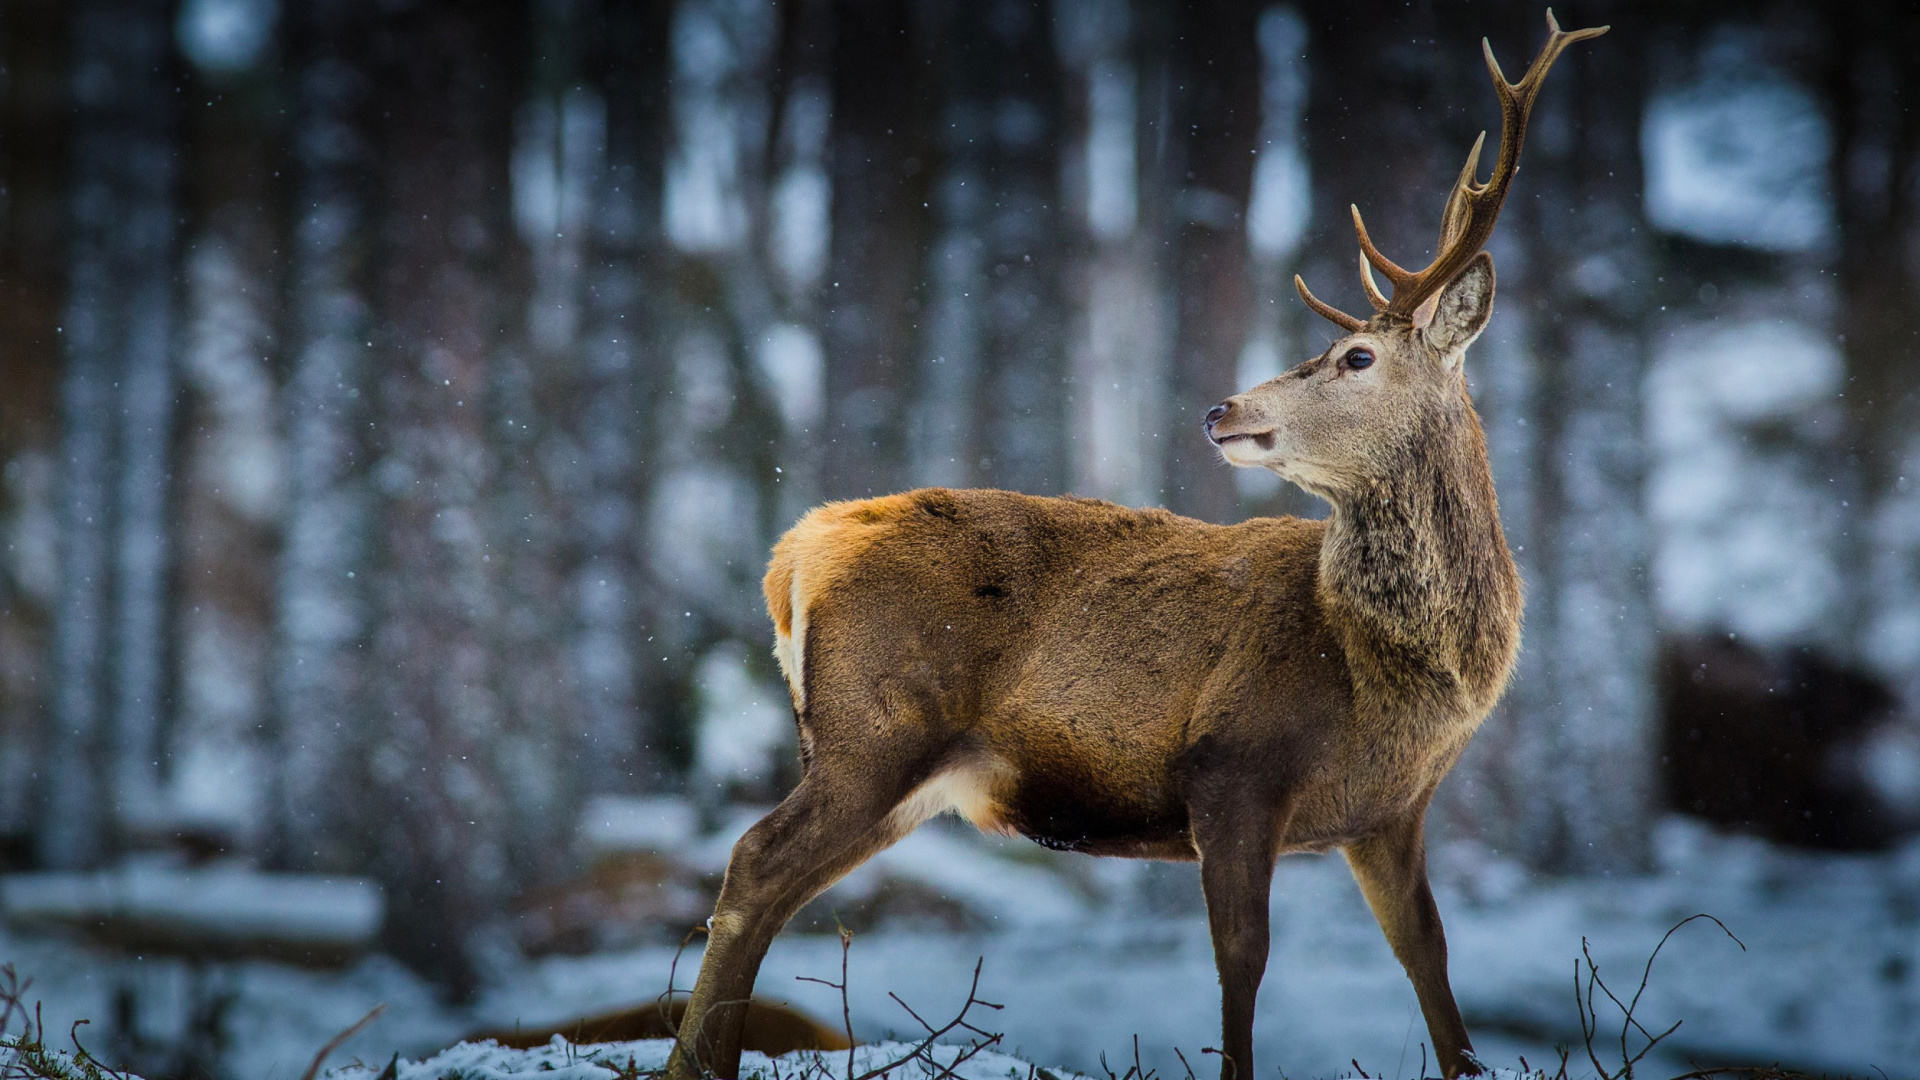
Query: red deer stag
1128,682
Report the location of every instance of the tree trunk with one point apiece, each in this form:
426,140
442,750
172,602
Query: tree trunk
1875,91
116,414
993,407
797,240
1205,153
535,476
1592,258
320,706
33,111
880,168
1121,343
618,363
441,765
230,469
711,519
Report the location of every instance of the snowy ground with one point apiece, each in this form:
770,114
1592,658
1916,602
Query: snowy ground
1828,981
559,1061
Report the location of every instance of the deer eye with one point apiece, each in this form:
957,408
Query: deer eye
1357,360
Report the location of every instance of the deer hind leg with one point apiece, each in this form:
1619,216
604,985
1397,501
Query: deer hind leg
1391,867
1236,839
845,810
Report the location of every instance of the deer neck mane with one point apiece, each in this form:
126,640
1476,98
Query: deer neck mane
1415,572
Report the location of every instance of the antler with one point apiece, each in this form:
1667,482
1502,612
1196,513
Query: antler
1472,208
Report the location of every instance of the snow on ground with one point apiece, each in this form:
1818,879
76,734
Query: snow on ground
1828,981
560,1061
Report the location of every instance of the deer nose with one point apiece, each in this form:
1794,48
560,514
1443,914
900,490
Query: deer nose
1218,413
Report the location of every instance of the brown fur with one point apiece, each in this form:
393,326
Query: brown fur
1129,682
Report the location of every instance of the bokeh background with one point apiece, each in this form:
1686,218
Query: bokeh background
398,399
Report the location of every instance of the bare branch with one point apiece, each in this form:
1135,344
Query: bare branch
921,1049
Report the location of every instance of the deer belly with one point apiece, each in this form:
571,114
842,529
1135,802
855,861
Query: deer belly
1087,772
1049,807
1069,810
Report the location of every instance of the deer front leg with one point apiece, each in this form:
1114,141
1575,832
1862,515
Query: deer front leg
1236,846
1391,867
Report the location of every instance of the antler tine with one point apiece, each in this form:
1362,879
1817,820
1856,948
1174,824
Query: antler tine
1557,40
1493,66
1369,253
1374,297
1326,311
1454,217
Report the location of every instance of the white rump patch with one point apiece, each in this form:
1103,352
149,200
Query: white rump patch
790,648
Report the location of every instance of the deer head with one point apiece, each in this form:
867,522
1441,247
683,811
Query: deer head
1343,419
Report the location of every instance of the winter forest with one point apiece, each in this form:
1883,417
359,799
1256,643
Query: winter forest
399,399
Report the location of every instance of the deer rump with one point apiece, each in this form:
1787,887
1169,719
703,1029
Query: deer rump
1060,667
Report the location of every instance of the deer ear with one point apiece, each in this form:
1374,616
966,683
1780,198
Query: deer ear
1461,310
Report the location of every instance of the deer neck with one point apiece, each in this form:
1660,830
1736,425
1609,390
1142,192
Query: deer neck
1416,573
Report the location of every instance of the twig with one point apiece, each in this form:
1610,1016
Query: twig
13,993
984,1038
85,1057
846,1007
333,1044
1583,1000
665,1001
1627,1009
1647,972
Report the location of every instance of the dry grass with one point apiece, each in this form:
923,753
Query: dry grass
24,1054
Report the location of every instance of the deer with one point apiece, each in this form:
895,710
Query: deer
1128,682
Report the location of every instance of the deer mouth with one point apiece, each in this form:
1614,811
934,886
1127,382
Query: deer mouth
1261,439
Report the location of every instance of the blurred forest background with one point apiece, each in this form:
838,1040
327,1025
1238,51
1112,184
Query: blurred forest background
398,398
